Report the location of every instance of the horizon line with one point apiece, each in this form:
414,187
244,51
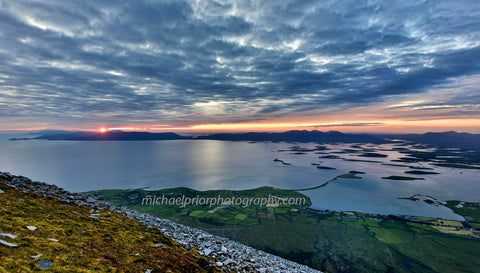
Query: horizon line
103,130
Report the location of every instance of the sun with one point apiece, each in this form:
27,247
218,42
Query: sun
103,130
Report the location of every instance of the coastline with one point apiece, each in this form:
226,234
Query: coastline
226,254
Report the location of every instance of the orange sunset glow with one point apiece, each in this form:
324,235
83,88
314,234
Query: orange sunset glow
414,76
375,126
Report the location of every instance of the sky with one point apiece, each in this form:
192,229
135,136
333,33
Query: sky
203,66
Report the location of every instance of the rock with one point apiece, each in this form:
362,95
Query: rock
7,243
52,239
219,264
95,215
6,176
31,228
228,261
224,249
8,235
2,191
36,256
45,264
159,244
207,251
148,271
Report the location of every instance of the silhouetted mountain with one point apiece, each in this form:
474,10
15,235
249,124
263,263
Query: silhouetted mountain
49,132
298,136
450,138
109,135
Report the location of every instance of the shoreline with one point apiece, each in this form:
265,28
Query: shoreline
227,254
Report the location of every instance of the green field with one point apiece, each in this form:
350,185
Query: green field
329,241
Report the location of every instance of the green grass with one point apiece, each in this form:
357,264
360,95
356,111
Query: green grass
443,253
471,210
241,216
111,243
392,235
334,241
196,213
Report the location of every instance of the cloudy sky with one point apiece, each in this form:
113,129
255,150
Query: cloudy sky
369,66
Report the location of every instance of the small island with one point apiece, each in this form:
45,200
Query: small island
397,177
325,168
420,172
356,172
281,161
329,156
373,155
349,176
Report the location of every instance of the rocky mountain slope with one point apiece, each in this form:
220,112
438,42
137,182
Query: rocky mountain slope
45,227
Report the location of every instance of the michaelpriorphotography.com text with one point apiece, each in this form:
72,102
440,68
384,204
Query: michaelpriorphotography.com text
183,201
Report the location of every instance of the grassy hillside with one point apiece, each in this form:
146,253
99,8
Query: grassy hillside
73,238
329,241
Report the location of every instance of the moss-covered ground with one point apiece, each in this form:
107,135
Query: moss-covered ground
73,241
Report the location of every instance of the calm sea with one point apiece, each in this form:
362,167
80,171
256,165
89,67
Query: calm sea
205,164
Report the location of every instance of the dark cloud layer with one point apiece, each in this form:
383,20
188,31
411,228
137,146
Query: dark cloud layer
182,62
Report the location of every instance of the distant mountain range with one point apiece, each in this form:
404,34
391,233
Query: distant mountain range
450,138
109,135
299,136
441,138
